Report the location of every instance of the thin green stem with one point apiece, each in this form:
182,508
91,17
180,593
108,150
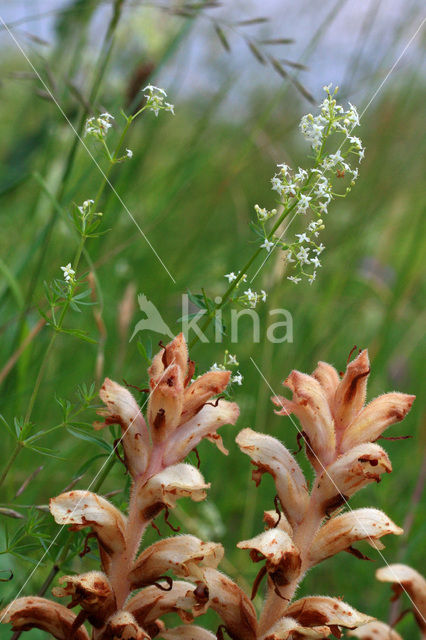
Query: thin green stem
15,453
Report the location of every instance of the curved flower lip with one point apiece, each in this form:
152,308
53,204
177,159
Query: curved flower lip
282,556
201,390
321,610
379,414
123,625
52,617
350,394
351,472
232,605
86,509
269,455
163,489
328,378
203,425
92,591
123,409
286,628
273,521
310,406
342,531
183,555
414,584
181,633
150,603
375,631
176,352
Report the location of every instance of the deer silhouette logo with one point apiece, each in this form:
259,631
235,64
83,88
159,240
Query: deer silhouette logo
153,320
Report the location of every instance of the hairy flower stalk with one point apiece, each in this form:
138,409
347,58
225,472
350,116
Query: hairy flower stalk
305,528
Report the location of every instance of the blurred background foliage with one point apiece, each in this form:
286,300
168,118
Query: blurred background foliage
191,185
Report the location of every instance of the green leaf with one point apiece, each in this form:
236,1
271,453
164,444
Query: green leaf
89,437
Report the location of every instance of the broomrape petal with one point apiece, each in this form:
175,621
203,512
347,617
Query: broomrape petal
375,631
188,633
86,509
163,489
151,603
183,555
122,409
166,403
202,425
283,559
231,603
321,610
34,612
379,414
201,390
272,520
350,473
175,352
342,531
350,395
287,627
92,591
123,626
310,406
328,378
269,455
413,583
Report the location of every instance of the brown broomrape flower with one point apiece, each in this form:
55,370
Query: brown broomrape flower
184,555
331,410
34,612
92,591
375,631
404,578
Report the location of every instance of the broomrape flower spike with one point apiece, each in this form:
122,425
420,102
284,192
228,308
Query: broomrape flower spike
180,414
305,528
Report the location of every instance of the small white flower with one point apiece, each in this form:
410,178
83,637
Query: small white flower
302,237
263,295
301,175
237,379
284,168
217,367
336,157
231,276
69,272
294,279
277,184
251,297
361,154
303,255
315,262
303,202
319,249
231,359
312,277
129,153
322,207
267,244
153,89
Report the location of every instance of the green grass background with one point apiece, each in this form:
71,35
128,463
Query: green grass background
191,185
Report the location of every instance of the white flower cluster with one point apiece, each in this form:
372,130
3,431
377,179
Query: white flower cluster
69,273
229,360
251,298
309,191
155,100
98,126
